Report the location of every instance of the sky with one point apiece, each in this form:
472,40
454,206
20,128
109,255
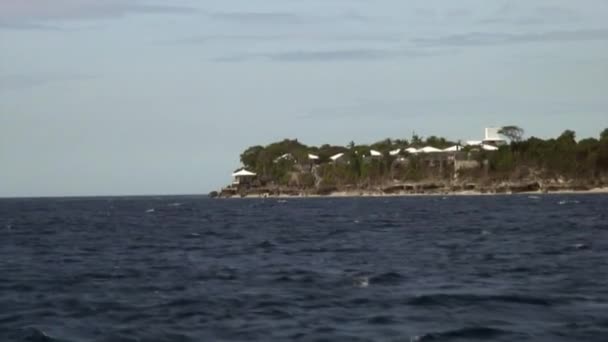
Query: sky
123,97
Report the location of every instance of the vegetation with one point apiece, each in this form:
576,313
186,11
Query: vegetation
287,162
562,157
513,133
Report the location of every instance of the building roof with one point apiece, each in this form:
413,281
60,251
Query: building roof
411,150
375,153
336,156
474,142
453,148
395,152
429,149
284,156
489,147
313,156
243,173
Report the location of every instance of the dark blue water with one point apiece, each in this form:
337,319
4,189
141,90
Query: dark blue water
504,268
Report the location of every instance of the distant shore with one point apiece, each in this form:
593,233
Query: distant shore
372,193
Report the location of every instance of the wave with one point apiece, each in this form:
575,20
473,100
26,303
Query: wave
388,278
464,333
464,299
32,335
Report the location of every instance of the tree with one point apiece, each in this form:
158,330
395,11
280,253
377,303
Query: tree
513,133
604,134
249,158
416,140
568,137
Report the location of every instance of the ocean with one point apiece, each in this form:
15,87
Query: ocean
428,268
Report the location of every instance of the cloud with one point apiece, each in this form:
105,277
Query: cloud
458,13
29,13
30,26
483,39
26,81
290,37
510,14
336,55
287,18
442,107
254,17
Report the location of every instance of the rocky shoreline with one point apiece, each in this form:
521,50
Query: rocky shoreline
414,189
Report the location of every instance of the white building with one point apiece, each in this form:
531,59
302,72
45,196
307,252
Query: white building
335,157
493,137
243,177
375,153
429,149
454,148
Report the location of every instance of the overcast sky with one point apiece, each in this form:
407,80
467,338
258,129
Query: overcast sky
160,97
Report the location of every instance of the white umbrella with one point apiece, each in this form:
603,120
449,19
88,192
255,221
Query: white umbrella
243,173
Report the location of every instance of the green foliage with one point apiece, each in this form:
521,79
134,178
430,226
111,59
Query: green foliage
502,160
513,133
567,138
383,146
416,140
438,142
604,135
560,157
250,157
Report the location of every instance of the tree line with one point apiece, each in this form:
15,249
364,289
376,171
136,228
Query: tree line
288,161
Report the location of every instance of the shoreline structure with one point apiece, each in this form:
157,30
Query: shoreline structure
431,166
416,190
342,194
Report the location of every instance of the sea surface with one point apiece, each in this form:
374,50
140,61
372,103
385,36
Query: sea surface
459,268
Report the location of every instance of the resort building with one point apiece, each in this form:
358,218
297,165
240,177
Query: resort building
335,157
493,137
243,177
429,149
375,153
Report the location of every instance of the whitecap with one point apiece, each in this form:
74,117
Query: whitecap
361,281
150,210
176,204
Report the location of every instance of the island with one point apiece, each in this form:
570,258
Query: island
500,163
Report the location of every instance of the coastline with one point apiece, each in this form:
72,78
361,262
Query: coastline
371,194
